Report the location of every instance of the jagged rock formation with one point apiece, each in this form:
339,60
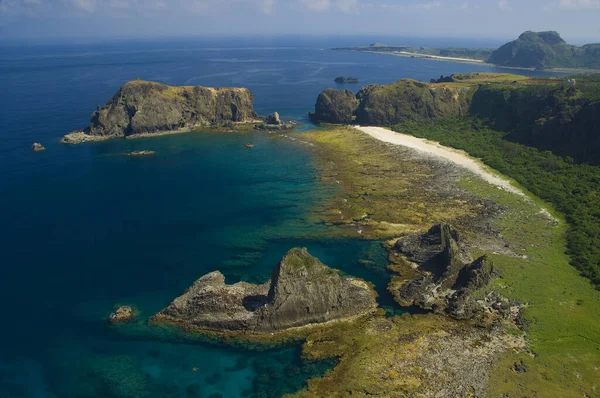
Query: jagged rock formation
142,107
449,278
274,123
302,291
335,106
545,50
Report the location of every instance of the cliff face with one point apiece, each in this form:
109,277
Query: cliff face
561,116
335,106
384,105
302,291
409,100
146,107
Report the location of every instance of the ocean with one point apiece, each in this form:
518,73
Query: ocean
85,228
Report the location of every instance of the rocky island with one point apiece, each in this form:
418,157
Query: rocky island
148,108
302,291
343,80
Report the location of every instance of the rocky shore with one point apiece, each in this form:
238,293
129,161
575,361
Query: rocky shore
449,281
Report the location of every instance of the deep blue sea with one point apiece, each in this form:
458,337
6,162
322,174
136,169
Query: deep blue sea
84,228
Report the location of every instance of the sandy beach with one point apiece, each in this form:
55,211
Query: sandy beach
441,58
432,148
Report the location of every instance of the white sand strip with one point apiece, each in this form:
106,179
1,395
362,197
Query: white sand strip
457,157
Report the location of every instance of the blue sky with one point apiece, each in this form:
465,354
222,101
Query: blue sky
577,20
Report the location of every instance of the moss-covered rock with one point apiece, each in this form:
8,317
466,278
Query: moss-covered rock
335,106
302,291
142,107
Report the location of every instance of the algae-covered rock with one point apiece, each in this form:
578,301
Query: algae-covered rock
385,105
302,291
142,107
335,106
449,278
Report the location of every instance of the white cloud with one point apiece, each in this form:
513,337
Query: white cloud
84,5
503,5
317,5
268,6
347,5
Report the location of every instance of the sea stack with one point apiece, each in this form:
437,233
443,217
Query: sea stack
302,291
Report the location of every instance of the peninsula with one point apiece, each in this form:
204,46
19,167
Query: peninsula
531,50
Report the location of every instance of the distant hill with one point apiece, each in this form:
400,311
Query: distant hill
545,50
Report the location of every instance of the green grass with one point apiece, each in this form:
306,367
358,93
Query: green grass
563,309
574,189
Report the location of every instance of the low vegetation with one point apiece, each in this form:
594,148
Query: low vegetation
388,357
572,188
545,50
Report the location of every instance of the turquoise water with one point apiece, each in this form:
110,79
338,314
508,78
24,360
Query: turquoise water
85,228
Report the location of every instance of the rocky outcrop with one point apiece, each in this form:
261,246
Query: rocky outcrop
122,314
385,105
37,147
142,153
274,118
142,107
274,123
335,106
302,291
450,281
344,80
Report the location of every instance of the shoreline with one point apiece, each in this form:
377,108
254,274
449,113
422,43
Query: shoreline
473,61
459,158
79,136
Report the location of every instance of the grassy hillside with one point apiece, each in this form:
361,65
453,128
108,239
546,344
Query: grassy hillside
545,50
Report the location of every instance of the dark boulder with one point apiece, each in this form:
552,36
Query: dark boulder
450,281
274,119
335,106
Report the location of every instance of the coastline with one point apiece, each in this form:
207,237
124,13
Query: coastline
475,62
79,137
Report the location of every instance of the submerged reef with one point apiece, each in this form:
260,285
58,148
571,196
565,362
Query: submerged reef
302,291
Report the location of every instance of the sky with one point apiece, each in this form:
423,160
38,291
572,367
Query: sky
578,21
